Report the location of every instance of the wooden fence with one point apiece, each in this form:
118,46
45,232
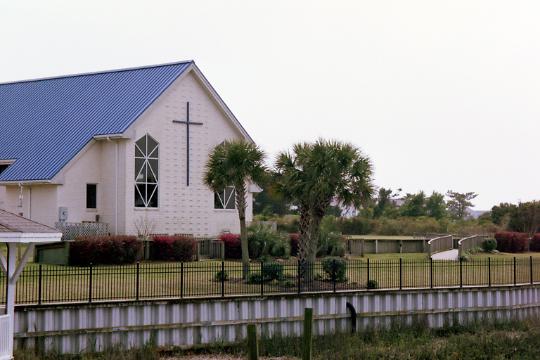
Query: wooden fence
210,249
470,242
441,243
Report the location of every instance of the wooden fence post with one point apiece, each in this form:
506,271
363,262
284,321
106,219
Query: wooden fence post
308,332
253,347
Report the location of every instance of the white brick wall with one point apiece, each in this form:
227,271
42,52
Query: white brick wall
182,209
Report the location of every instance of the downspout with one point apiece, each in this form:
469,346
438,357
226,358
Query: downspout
30,202
115,185
116,191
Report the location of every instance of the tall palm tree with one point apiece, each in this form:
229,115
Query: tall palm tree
236,163
314,175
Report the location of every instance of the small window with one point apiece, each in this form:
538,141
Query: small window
225,199
91,196
3,167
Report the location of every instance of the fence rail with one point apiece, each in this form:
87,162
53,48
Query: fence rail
470,242
45,284
441,243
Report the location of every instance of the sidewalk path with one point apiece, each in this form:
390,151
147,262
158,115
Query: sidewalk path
446,255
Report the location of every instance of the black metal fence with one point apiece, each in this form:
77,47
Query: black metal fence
45,284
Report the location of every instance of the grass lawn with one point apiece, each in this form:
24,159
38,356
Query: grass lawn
503,255
393,256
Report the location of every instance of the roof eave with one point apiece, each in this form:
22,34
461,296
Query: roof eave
28,237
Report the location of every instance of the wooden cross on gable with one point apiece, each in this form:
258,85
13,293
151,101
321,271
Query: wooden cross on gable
188,123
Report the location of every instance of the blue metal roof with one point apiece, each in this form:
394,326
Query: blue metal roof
45,123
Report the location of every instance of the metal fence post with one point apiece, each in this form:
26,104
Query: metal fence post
40,283
368,270
298,277
531,269
515,280
137,281
334,277
400,274
489,272
262,279
222,278
431,272
182,279
460,272
90,284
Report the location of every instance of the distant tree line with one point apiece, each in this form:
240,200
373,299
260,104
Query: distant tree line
523,217
387,203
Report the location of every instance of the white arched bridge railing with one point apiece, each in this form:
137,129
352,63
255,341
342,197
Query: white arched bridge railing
6,337
470,242
439,244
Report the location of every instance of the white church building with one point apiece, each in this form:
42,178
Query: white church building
122,147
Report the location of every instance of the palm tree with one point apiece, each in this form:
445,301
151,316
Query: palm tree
314,175
236,163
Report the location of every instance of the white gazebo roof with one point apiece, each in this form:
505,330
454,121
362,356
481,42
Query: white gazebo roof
17,229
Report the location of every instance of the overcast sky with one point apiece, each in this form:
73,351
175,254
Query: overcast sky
440,94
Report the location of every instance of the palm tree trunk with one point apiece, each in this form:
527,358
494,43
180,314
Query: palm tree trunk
241,205
307,247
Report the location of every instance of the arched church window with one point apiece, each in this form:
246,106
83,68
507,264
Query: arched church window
146,172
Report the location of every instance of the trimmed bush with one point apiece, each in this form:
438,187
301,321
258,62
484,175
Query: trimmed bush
272,271
489,245
512,242
294,240
335,269
254,278
173,248
232,245
106,250
221,275
535,242
372,284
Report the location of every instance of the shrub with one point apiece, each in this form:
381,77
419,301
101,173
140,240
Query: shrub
287,283
288,223
465,257
263,241
221,275
356,225
254,278
335,269
535,242
107,250
173,248
331,244
489,245
294,240
408,226
372,284
513,242
232,245
272,271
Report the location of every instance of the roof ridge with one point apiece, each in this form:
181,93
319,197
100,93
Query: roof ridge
98,72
